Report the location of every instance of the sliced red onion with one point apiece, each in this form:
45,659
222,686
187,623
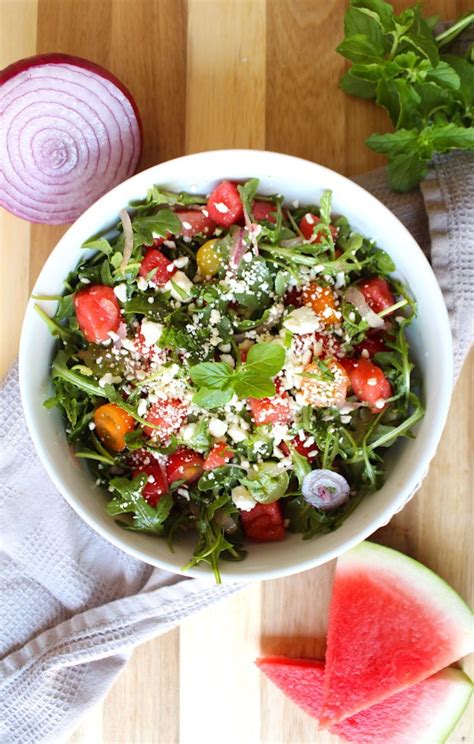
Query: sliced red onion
128,238
239,247
356,298
70,132
325,489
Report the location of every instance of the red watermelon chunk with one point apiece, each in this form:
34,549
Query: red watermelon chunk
392,623
430,708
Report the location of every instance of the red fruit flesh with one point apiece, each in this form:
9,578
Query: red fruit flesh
156,485
97,312
264,523
224,204
162,267
184,464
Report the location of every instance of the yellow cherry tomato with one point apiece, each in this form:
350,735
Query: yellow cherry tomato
208,259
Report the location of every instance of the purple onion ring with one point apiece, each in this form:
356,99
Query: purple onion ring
325,489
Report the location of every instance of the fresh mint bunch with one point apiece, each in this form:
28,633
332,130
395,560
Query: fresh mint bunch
398,62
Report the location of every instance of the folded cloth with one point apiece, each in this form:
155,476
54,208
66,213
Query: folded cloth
73,605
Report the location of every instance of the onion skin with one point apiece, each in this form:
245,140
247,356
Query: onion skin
71,132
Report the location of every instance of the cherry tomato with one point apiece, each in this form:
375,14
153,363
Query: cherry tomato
184,464
155,261
264,523
168,414
369,384
97,312
208,259
224,204
377,293
264,211
308,228
323,301
325,389
274,410
196,222
112,423
156,486
219,455
373,343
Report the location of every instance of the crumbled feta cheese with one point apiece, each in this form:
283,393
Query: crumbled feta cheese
309,219
225,347
242,498
91,425
179,284
187,225
120,291
228,359
142,407
302,320
221,207
181,262
142,283
247,257
151,331
109,379
237,434
217,427
380,403
187,432
214,317
372,381
365,353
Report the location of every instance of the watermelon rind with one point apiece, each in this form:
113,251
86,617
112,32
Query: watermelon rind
430,587
460,693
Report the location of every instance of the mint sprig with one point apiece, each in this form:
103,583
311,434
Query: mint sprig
398,63
218,381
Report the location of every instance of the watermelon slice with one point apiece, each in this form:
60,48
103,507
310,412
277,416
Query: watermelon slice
392,623
430,709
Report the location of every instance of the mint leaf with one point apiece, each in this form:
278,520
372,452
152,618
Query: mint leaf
359,49
250,385
381,9
214,375
357,21
209,398
357,86
445,76
406,171
266,358
450,137
393,143
465,72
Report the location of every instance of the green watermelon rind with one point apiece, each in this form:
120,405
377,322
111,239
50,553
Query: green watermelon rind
459,704
430,587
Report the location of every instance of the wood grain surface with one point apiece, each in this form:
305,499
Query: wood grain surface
234,73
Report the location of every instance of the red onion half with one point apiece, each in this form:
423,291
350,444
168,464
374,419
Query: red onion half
70,132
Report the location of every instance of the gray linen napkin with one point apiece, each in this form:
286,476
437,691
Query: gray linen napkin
73,605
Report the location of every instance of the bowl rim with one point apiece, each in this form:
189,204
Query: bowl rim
412,481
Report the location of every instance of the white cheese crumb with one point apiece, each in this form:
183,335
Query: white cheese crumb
372,381
302,320
187,432
247,257
179,282
365,353
91,425
142,283
120,291
242,498
142,407
217,427
237,434
228,359
181,262
221,207
225,347
187,225
380,403
108,379
151,331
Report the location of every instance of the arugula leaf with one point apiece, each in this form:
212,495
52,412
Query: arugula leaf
163,222
248,192
128,499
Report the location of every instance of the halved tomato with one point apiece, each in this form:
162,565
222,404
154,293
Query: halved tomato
156,485
184,464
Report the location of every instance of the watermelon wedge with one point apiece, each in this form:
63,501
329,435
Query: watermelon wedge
392,623
426,712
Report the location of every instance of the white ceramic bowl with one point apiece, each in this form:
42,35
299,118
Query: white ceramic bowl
430,339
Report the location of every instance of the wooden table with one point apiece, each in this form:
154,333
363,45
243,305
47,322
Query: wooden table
234,73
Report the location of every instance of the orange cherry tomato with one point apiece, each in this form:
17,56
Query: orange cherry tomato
323,301
112,423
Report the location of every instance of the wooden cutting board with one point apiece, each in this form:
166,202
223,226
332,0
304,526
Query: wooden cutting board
208,74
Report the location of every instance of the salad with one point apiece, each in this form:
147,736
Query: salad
233,367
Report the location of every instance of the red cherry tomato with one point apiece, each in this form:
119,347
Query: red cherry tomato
168,414
224,204
155,260
97,312
373,343
369,383
307,226
196,222
219,455
264,211
274,410
184,464
377,293
156,486
264,523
